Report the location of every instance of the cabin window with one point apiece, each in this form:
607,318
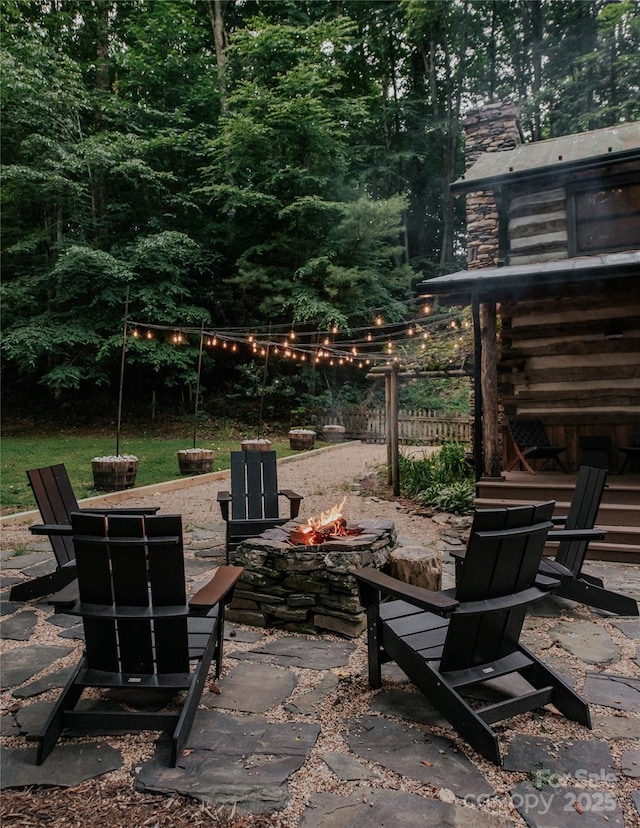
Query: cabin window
604,218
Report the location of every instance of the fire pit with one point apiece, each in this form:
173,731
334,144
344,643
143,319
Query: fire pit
297,577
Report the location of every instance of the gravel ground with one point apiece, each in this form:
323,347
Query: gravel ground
323,477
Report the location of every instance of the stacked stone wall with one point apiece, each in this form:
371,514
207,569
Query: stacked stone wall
491,128
307,589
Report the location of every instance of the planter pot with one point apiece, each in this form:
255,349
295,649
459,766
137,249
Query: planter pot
195,461
333,433
114,473
256,445
301,439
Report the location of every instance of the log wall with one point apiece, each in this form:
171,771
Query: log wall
559,364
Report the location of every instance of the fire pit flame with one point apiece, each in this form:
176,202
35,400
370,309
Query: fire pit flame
328,524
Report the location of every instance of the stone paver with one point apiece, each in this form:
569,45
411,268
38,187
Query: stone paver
581,759
346,768
293,651
252,688
551,807
19,627
610,690
22,663
585,640
234,761
419,755
67,765
369,807
408,705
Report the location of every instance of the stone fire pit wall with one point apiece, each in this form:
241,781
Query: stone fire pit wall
307,589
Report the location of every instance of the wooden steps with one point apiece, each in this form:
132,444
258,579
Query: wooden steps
619,512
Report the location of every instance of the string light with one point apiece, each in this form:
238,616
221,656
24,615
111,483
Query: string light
343,350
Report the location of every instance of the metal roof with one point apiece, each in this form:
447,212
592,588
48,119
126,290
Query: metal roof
499,281
583,149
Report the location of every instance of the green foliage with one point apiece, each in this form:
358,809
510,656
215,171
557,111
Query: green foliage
442,480
301,174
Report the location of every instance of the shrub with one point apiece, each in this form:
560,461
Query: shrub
442,480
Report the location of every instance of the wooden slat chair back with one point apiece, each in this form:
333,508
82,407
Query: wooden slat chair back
498,562
56,501
577,532
252,505
632,452
582,514
140,631
254,485
451,642
530,442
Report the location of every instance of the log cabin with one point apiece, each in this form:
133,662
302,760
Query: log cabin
553,278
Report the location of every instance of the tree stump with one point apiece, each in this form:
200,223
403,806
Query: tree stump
417,565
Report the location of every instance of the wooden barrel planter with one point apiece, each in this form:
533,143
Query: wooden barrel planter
195,461
259,444
333,433
114,473
301,439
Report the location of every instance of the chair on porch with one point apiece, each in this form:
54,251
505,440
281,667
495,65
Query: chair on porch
631,453
530,442
578,529
254,497
56,501
140,631
450,643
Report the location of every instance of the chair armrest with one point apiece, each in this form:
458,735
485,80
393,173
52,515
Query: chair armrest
51,529
500,603
294,499
219,588
552,569
65,598
224,499
377,581
560,520
576,534
546,582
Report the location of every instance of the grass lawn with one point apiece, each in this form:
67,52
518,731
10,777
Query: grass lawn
157,457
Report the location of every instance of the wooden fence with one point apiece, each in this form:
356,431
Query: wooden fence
414,427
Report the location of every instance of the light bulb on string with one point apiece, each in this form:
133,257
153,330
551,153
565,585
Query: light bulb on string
379,320
149,334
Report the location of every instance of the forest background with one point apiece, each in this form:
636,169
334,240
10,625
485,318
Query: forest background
261,184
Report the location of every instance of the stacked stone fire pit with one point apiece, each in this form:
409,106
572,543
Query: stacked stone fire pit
308,588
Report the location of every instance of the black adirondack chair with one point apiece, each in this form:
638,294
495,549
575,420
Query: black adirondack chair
56,501
140,631
631,453
530,442
574,538
254,497
449,643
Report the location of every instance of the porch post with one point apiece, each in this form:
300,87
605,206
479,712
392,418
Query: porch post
489,363
478,438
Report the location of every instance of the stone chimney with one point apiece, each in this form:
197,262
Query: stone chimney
490,128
